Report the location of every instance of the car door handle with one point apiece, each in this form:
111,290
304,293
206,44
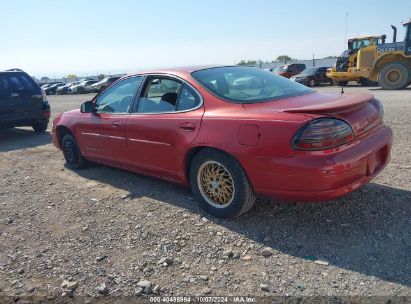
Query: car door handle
116,124
188,126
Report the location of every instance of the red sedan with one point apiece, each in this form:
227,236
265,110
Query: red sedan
230,133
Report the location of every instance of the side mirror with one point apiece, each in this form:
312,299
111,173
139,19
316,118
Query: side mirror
87,107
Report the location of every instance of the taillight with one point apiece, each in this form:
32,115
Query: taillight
322,134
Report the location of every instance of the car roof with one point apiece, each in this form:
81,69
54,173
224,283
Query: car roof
12,72
182,69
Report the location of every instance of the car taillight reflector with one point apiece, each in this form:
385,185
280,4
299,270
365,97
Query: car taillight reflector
322,134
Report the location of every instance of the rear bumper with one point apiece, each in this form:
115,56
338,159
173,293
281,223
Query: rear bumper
317,176
24,119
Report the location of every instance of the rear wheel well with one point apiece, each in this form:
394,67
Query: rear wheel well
194,151
60,132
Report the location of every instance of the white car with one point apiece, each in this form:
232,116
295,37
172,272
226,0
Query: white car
81,87
102,84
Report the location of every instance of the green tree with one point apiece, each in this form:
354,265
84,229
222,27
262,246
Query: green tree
71,76
284,58
101,77
248,62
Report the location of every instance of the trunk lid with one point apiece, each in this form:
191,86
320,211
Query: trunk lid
360,110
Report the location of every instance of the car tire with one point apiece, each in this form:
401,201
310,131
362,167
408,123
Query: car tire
40,127
220,184
394,76
311,83
80,91
72,154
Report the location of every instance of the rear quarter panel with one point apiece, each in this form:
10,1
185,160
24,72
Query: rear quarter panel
223,129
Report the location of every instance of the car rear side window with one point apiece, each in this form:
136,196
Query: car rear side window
248,85
159,95
22,82
166,95
6,86
188,99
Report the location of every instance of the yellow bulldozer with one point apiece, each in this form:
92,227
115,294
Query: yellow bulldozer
387,63
343,70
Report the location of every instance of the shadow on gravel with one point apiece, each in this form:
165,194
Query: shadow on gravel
16,139
368,231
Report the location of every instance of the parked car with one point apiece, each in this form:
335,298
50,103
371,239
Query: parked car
102,84
22,102
51,90
64,89
313,76
230,142
289,70
43,86
47,85
80,88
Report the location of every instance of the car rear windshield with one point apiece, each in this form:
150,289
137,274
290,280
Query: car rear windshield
248,85
12,82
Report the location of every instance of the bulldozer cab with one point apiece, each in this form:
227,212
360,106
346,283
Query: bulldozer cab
355,44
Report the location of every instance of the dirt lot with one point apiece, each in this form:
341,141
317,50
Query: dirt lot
102,232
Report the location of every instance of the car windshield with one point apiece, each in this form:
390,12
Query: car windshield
309,71
248,85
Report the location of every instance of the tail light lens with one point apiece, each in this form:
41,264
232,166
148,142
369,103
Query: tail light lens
322,134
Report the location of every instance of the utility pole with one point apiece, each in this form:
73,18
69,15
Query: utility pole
346,28
313,61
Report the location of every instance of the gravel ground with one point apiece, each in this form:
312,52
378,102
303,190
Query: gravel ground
102,232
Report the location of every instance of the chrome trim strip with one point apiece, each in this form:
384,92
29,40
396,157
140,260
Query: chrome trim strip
101,135
150,142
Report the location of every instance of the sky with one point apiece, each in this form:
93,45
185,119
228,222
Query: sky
55,38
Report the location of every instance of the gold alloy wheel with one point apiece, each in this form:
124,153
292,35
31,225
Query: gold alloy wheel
393,76
216,184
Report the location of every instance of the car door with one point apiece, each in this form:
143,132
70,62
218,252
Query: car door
166,119
102,134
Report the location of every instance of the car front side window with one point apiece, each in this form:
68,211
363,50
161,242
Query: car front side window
118,98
